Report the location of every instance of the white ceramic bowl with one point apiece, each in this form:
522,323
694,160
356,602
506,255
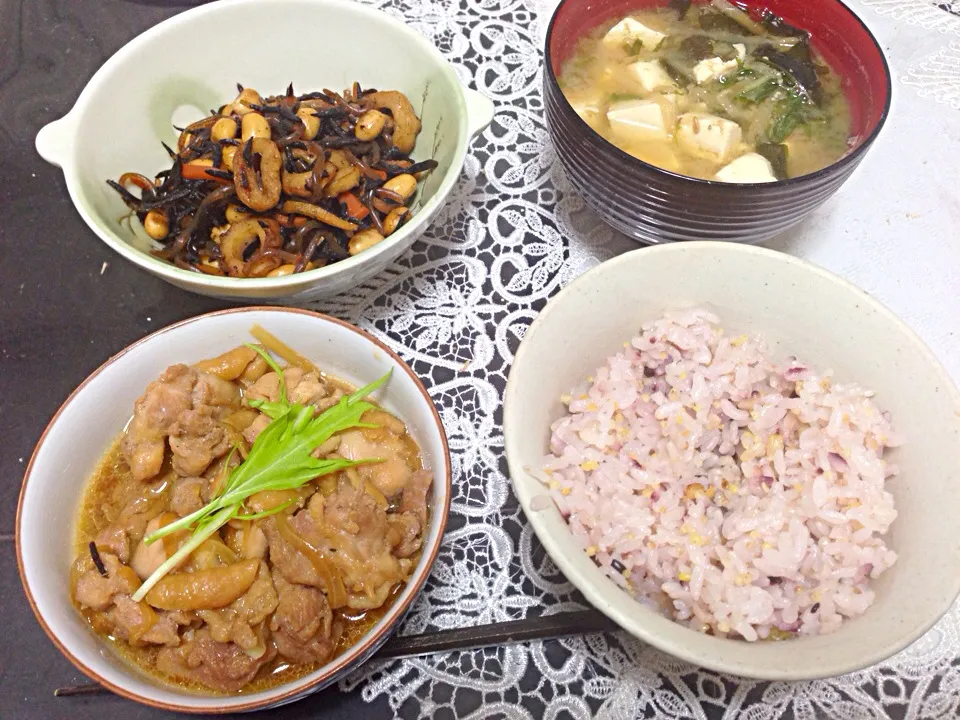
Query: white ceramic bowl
92,417
799,309
176,71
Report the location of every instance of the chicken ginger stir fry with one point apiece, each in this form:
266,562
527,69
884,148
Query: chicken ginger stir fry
265,187
289,577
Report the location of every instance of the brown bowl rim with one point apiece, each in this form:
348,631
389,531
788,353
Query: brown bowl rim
837,165
358,651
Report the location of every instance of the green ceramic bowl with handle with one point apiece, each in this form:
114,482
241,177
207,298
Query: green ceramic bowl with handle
131,104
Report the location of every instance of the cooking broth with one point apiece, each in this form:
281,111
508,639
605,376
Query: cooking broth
358,527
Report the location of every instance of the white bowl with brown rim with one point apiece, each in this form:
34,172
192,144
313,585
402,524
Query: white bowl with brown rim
90,420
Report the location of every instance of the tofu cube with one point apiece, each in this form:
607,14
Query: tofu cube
628,30
661,154
651,75
748,168
712,68
708,136
639,119
741,51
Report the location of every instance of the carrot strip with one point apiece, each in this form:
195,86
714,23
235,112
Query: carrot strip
199,172
355,209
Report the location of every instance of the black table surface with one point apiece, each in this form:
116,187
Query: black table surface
65,307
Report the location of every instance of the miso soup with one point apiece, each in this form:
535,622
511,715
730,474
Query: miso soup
712,92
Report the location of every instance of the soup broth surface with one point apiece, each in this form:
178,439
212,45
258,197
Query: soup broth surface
693,94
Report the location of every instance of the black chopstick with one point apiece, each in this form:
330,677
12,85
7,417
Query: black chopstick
545,627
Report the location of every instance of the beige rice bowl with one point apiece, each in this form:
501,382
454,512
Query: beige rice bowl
739,496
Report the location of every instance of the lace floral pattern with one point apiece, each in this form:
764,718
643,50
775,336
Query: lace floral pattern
939,75
929,14
456,306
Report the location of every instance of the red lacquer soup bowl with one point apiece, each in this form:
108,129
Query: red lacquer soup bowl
653,205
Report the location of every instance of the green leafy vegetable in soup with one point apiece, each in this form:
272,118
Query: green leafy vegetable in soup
710,91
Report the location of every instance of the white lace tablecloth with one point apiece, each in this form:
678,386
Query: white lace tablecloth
514,232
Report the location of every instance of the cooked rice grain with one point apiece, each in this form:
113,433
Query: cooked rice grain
740,497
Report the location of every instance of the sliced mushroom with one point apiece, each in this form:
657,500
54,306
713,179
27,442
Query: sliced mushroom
405,119
234,243
256,174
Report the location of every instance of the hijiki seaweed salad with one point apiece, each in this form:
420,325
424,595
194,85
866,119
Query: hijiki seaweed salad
265,187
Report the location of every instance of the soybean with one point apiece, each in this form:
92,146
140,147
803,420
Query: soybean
364,240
